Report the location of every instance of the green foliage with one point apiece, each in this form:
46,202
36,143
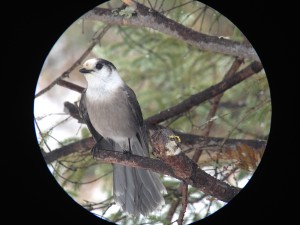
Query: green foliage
85,132
127,12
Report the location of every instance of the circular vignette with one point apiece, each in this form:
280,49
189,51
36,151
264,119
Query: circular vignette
193,72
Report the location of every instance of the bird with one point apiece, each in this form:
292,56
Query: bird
113,116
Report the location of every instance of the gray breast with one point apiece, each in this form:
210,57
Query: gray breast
112,117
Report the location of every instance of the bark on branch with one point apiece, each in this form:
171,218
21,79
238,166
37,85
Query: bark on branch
213,145
187,140
167,146
150,18
197,177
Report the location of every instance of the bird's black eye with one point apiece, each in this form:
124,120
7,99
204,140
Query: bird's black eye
99,66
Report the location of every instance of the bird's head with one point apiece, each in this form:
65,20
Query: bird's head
98,67
100,72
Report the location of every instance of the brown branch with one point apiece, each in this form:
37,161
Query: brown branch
172,209
71,86
184,201
83,145
215,103
166,146
202,141
78,62
216,100
146,17
190,140
208,93
198,178
212,145
193,175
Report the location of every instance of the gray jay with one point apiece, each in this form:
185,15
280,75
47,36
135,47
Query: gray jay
113,115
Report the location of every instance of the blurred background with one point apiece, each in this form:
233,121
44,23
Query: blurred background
162,71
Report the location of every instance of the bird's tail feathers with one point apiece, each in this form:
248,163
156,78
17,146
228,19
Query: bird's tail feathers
137,191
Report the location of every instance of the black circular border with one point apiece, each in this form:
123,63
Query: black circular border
34,196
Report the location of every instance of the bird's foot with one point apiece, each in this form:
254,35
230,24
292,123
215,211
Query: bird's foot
94,151
127,152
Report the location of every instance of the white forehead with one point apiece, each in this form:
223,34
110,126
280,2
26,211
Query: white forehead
90,63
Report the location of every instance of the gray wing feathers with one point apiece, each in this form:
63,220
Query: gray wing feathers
136,110
134,105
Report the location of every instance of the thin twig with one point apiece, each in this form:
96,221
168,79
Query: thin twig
150,4
177,6
71,86
208,208
172,209
184,203
191,13
216,100
42,137
161,5
246,114
78,62
79,182
223,179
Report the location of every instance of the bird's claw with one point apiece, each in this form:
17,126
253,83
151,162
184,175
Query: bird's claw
94,151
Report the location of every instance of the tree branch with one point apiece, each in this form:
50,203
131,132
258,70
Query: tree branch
232,149
167,146
202,141
71,86
208,93
83,145
216,100
199,179
184,202
172,210
187,141
146,17
78,62
215,103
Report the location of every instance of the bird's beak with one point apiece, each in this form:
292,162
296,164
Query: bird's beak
84,70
